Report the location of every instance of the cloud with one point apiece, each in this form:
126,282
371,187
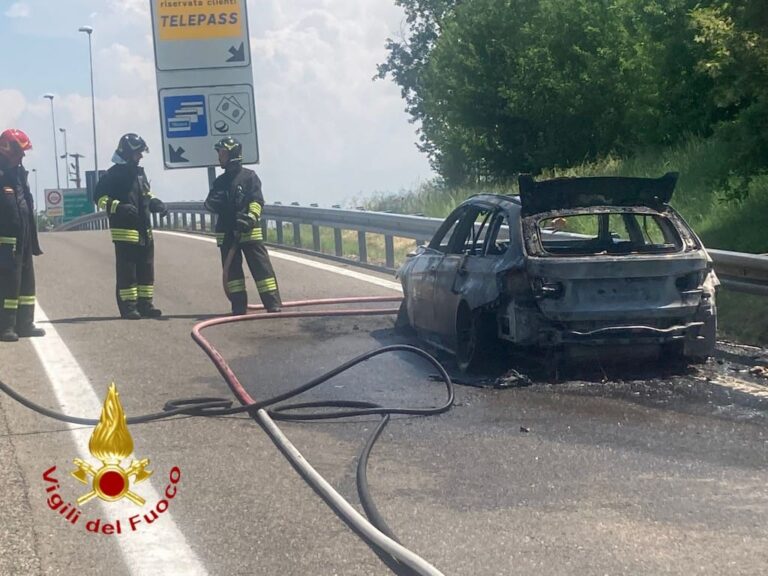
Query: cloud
12,105
19,10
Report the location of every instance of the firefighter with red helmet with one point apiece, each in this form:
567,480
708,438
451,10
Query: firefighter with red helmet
18,241
237,200
124,193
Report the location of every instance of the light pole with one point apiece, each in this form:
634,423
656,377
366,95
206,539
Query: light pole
65,155
89,30
55,147
37,205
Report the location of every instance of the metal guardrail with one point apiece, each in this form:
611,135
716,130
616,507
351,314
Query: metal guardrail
737,271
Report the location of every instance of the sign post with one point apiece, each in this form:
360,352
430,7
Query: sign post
204,79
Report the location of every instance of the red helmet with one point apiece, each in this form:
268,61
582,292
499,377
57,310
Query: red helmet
13,143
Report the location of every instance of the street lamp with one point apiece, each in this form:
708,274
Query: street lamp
55,147
89,30
65,155
37,205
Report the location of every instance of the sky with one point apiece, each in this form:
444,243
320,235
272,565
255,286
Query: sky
328,133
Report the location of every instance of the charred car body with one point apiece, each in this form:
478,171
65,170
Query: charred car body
571,262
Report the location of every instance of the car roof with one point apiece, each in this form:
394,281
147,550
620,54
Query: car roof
500,200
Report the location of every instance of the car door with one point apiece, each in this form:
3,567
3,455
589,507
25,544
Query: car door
463,271
422,275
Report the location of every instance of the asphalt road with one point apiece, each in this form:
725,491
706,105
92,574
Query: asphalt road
600,469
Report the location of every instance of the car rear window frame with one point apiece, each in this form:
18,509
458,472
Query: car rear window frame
534,246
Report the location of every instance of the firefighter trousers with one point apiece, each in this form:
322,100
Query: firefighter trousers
257,257
135,271
17,292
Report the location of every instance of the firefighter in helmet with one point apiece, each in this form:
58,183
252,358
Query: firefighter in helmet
18,241
237,200
124,193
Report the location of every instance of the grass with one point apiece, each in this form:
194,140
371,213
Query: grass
375,244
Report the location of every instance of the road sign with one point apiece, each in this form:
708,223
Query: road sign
54,203
194,119
76,203
204,79
194,34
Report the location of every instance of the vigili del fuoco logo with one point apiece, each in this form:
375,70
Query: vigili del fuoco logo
111,444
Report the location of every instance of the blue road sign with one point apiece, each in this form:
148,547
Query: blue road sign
185,116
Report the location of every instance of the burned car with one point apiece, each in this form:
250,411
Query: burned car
571,262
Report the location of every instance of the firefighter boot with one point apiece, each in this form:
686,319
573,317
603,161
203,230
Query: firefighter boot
239,302
7,323
272,302
25,327
30,331
147,309
128,311
8,335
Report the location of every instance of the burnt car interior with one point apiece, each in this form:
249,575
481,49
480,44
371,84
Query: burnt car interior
610,233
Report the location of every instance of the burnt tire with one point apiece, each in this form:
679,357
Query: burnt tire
474,339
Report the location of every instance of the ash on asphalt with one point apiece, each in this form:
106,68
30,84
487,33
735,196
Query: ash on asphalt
274,355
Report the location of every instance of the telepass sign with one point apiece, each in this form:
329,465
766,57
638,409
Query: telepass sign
204,79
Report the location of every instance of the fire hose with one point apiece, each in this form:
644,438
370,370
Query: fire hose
373,529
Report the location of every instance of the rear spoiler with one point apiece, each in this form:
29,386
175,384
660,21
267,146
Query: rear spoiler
566,193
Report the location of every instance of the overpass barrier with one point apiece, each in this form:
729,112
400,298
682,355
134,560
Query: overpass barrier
333,229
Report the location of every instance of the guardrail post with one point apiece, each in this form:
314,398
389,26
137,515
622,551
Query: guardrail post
361,246
202,222
297,234
184,220
176,220
316,238
279,230
214,221
154,220
337,242
389,251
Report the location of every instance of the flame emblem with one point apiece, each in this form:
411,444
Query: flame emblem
111,443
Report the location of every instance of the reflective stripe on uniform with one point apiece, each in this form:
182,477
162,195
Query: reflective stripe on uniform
255,209
219,238
266,285
252,235
129,294
8,240
11,304
146,290
124,235
102,202
26,300
113,206
236,286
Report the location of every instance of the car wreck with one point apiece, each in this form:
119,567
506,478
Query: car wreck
571,262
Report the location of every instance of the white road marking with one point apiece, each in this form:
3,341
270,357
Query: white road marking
150,550
305,262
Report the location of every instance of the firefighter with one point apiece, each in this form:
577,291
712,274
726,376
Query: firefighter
18,241
124,193
237,200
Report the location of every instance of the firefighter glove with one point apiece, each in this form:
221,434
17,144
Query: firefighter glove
158,207
7,257
245,222
127,210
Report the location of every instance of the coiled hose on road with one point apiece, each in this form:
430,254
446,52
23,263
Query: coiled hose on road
374,530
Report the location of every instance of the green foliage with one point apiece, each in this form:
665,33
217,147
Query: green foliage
508,86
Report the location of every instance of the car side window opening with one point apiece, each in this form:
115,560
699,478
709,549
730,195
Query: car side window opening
498,235
442,239
608,233
470,235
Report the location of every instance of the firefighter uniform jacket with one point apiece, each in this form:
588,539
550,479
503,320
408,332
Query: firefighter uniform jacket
237,191
17,212
126,183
